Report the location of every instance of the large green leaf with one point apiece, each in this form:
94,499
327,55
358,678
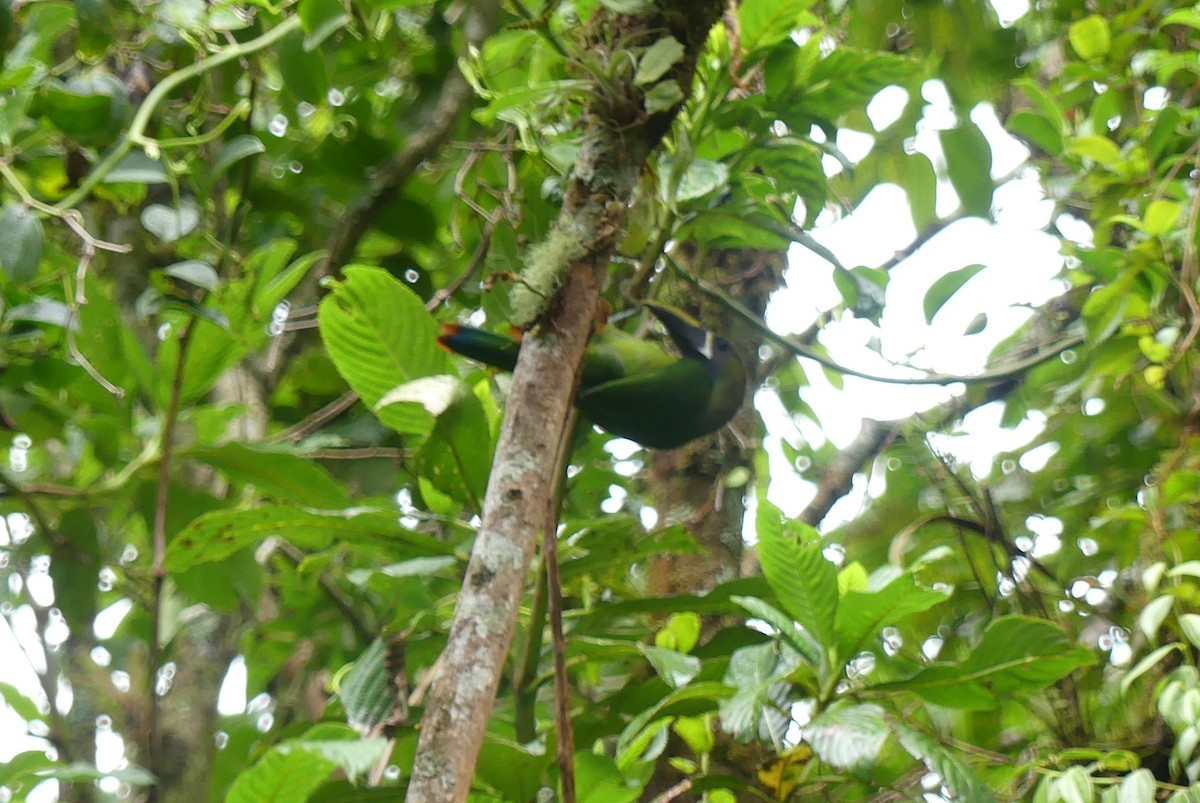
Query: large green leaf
21,239
805,582
511,768
945,287
365,691
769,22
275,473
964,783
708,695
380,337
218,534
457,456
969,165
862,614
600,781
1017,655
799,639
846,735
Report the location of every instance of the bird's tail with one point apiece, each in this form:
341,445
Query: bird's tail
482,346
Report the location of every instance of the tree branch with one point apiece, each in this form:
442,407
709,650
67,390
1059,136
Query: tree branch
618,139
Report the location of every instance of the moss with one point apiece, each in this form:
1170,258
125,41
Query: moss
546,267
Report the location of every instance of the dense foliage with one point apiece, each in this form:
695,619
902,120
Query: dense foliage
235,452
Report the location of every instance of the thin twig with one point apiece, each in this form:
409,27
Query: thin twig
339,599
674,792
554,596
302,429
166,438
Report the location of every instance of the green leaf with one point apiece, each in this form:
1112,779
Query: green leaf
600,781
304,71
1152,616
968,166
1016,655
274,276
977,324
169,224
964,783
354,757
365,691
1161,217
515,770
629,6
88,772
663,96
862,614
240,147
681,633
658,58
758,674
702,178
457,455
918,179
24,766
84,108
1074,786
195,272
768,22
798,638
945,287
21,705
21,240
1189,623
1090,37
95,28
1095,147
281,777
1037,129
846,735
137,168
276,473
319,19
217,535
844,80
675,668
799,574
1186,16
1137,787
379,337
696,692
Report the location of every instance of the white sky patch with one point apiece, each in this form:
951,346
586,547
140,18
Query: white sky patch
1009,11
231,699
982,437
1155,98
887,106
1036,458
854,145
108,620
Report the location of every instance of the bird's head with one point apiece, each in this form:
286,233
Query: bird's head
697,343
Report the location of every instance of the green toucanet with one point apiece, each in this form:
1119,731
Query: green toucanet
634,388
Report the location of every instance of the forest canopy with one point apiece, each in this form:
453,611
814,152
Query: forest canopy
267,538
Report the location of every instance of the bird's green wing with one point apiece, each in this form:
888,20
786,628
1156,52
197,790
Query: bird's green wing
615,355
663,409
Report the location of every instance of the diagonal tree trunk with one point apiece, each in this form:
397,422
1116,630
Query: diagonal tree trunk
618,138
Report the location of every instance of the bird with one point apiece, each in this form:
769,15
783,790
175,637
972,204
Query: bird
635,388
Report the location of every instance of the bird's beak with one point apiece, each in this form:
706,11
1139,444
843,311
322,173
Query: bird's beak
689,336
